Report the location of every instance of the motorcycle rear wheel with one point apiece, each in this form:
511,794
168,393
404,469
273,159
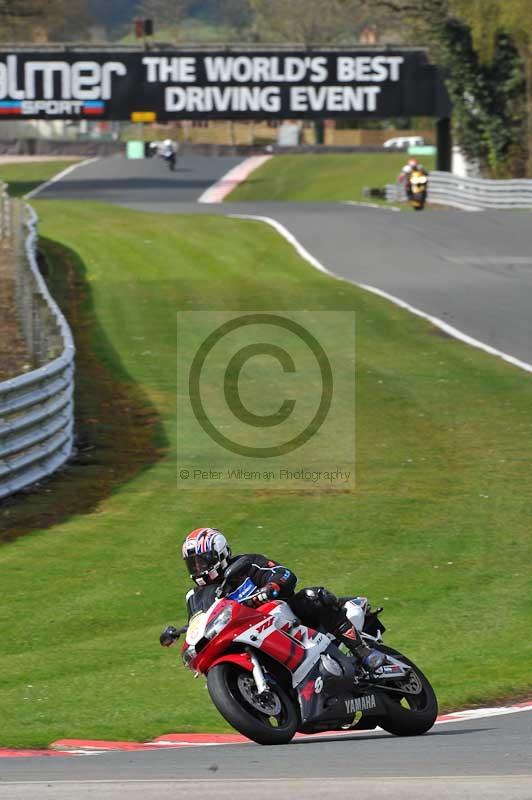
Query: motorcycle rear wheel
226,693
409,715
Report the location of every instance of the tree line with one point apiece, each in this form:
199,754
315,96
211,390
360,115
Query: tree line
485,47
298,21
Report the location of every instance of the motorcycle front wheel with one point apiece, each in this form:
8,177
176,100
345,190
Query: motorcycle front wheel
270,718
414,712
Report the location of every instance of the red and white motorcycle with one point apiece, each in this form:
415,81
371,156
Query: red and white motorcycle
270,676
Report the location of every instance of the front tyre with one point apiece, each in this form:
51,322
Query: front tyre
409,714
270,719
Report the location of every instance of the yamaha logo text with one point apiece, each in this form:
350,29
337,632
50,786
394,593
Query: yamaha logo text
360,704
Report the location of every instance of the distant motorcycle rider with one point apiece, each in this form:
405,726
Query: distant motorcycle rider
207,555
404,176
166,149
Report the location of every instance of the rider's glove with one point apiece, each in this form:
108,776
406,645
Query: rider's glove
268,592
169,636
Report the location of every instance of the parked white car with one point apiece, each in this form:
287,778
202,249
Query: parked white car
400,142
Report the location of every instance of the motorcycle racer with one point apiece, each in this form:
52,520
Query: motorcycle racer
166,150
207,555
404,176
409,167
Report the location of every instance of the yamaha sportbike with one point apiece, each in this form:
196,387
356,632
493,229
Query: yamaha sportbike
171,160
417,189
270,676
166,151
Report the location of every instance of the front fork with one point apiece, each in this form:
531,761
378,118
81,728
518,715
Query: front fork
258,674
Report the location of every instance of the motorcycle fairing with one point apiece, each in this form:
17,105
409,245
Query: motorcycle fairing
240,659
333,701
342,710
298,650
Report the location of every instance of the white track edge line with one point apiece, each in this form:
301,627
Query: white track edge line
455,333
523,776
58,177
380,207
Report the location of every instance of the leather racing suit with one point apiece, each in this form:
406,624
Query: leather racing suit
315,606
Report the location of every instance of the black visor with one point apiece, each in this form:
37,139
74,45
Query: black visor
198,564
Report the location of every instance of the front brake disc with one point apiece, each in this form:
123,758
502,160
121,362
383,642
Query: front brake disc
267,702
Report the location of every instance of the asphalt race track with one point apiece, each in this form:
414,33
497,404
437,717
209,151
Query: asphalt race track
117,180
473,270
481,758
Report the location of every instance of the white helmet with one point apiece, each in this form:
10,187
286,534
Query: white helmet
206,553
167,142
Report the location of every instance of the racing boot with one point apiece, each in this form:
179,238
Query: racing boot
370,659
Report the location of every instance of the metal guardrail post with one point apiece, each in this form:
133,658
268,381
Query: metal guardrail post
472,194
36,408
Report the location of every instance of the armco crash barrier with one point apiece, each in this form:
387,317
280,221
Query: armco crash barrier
471,193
36,409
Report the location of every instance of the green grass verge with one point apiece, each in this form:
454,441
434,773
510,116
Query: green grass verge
24,177
321,177
438,529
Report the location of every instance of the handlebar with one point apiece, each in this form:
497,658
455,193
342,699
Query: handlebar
246,600
221,589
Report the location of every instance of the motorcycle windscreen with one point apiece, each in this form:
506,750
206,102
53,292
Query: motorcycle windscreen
245,590
202,599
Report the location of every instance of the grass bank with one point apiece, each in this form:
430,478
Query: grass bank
437,530
24,177
321,177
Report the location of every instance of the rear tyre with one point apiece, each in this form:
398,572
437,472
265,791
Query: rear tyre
266,720
409,714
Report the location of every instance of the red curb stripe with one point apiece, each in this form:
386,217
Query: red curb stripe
235,176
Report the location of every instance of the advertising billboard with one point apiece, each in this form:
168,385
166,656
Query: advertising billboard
169,85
